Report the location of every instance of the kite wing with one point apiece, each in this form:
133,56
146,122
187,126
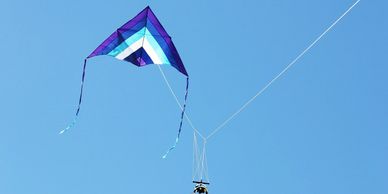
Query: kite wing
141,41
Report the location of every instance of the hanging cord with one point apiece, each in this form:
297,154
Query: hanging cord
79,101
206,169
199,161
281,73
197,158
203,158
195,151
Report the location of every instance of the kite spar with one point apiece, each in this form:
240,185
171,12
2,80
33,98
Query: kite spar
141,41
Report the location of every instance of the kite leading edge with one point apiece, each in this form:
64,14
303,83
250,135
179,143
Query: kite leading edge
141,41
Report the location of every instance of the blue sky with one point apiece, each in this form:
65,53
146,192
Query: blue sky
321,128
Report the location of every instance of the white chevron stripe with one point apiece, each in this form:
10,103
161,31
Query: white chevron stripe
156,47
131,49
151,52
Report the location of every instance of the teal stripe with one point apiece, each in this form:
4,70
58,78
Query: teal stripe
129,41
155,45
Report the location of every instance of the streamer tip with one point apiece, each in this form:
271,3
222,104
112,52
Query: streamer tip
61,132
168,151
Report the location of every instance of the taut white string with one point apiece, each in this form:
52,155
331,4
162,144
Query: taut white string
281,73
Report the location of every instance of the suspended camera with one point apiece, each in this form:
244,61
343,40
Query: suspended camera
200,187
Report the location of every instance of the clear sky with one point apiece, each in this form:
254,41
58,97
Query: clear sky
321,128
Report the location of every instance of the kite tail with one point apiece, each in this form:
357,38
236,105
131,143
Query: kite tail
79,101
181,122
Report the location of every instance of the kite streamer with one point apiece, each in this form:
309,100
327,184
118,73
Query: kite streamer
181,122
79,100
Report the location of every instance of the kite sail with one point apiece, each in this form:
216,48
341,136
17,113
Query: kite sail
141,41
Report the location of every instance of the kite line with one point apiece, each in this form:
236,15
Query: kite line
281,73
199,158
